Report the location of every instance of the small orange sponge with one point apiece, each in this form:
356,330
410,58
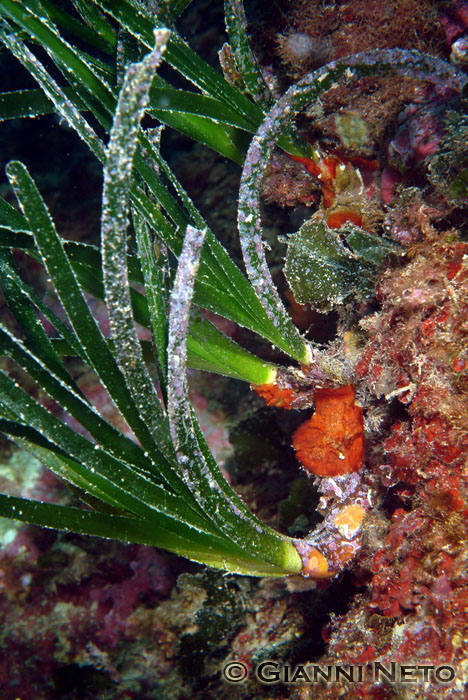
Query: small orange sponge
332,441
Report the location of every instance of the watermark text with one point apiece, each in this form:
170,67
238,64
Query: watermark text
270,672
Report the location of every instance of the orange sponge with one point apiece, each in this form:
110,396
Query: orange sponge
332,441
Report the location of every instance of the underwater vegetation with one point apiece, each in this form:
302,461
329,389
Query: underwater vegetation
366,153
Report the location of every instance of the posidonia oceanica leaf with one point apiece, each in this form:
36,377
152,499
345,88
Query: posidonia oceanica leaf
161,531
156,273
196,464
96,21
90,467
181,57
221,288
94,345
216,354
121,149
72,400
246,62
26,316
96,31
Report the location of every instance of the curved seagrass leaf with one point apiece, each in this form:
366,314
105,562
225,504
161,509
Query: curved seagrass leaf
197,467
400,62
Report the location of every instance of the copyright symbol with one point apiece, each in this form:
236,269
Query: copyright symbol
235,672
